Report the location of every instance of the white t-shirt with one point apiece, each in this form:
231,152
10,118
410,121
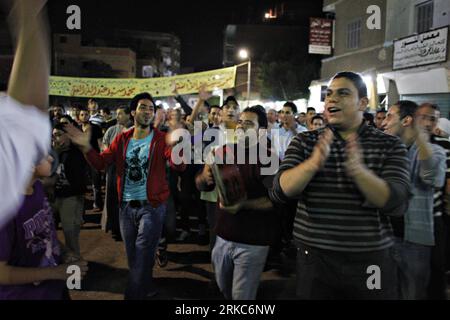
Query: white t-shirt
24,140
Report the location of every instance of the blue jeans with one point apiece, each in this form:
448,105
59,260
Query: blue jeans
414,267
238,268
141,229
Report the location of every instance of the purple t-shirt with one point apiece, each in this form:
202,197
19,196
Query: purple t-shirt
29,240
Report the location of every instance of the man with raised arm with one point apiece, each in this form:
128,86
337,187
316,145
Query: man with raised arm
24,126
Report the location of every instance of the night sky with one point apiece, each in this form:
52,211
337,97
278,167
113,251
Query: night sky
199,24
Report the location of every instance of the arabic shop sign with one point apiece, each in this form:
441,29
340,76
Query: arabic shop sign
320,36
422,49
128,88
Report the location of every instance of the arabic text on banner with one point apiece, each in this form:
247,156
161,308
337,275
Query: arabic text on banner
157,87
422,49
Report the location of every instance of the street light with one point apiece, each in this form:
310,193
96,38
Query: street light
244,55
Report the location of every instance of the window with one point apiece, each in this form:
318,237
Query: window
354,34
424,16
63,39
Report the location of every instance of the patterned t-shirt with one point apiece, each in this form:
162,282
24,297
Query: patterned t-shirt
29,240
136,169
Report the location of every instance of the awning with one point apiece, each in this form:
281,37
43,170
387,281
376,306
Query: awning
420,81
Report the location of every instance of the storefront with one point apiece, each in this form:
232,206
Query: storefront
421,71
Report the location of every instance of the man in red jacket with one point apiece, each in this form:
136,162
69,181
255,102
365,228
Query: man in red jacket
140,155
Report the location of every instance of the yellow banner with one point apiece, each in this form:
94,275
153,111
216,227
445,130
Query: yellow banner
128,88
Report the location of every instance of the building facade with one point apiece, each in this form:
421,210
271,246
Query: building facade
157,54
390,70
71,58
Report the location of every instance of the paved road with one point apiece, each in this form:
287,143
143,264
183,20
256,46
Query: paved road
187,275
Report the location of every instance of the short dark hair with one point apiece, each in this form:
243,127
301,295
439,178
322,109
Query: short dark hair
262,117
291,105
125,109
356,79
140,96
105,110
369,117
406,108
310,109
260,107
317,116
66,116
430,105
230,98
60,126
58,105
381,110
214,106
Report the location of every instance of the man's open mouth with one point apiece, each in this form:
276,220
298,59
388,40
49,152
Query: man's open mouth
333,110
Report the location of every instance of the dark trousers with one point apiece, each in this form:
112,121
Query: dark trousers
96,177
437,288
446,221
211,214
169,227
190,199
414,265
330,275
112,203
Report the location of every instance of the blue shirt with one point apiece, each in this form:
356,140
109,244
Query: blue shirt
281,141
426,175
136,169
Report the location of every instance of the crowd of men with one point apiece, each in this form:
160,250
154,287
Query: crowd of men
362,198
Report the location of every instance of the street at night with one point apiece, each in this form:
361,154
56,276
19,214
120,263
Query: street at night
244,154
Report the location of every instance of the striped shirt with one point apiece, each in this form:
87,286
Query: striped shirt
332,213
439,198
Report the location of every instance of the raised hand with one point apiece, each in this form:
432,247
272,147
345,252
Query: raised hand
208,175
174,88
78,137
203,95
321,150
421,133
160,117
441,133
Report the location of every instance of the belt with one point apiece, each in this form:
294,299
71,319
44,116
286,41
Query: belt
137,203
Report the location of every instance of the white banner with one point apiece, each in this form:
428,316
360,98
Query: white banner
422,49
